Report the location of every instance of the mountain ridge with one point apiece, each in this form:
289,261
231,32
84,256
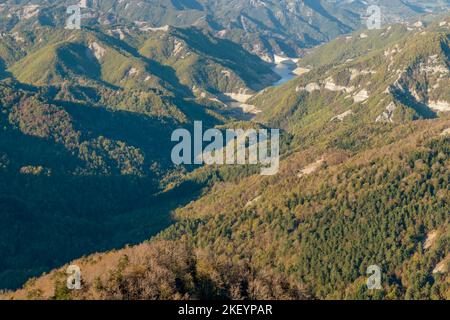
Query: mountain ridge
262,27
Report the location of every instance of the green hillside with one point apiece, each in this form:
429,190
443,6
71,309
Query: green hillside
214,65
177,62
398,82
86,113
300,234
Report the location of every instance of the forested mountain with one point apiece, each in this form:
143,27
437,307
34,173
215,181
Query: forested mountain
69,172
264,27
393,75
86,123
309,232
179,61
364,180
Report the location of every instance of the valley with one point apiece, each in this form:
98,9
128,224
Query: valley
284,67
87,179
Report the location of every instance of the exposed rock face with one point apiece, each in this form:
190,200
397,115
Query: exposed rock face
446,132
241,96
442,267
440,105
97,50
30,11
311,168
361,96
431,239
330,85
133,71
356,73
342,116
155,29
310,87
301,71
388,115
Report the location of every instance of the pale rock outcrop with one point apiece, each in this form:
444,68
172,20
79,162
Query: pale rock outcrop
177,47
310,87
253,202
155,29
330,85
133,71
342,116
442,267
241,96
361,96
311,168
97,50
301,71
431,239
30,11
355,73
440,105
388,115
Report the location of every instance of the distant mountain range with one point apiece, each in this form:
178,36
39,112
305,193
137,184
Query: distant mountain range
263,27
